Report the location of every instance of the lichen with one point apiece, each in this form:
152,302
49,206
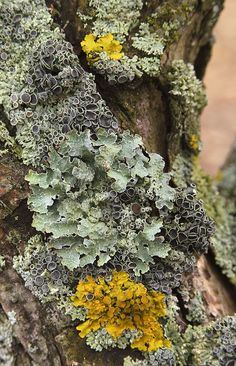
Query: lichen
7,141
162,357
186,88
118,179
101,339
186,101
116,17
42,271
194,142
105,44
119,304
48,85
219,207
148,42
120,183
153,33
222,212
103,204
212,343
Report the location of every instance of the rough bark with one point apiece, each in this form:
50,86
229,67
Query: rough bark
41,334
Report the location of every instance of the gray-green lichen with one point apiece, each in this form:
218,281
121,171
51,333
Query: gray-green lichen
116,17
222,211
102,202
146,37
162,357
186,88
42,271
94,199
196,309
148,42
48,84
186,101
219,207
8,142
211,344
101,339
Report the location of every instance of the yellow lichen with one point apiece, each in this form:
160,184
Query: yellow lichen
194,142
121,304
106,43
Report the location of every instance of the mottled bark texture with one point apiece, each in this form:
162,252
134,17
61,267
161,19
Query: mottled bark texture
42,335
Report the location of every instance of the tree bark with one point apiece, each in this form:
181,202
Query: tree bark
41,334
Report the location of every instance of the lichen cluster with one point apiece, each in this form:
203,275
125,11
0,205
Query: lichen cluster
221,208
148,36
213,344
186,101
42,270
118,304
161,357
106,44
110,216
50,86
96,197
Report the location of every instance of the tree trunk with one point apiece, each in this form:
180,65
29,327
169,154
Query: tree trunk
153,91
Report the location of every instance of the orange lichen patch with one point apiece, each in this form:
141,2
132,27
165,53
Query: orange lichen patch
106,43
119,305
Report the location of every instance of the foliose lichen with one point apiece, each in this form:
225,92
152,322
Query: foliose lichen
42,271
212,343
95,198
119,304
104,204
49,85
116,17
161,357
222,210
145,38
101,339
106,44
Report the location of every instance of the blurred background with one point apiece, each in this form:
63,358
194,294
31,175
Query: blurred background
218,123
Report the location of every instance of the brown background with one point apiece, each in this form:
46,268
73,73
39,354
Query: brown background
219,117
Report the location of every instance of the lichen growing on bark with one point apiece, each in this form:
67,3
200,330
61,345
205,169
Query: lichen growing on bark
101,201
